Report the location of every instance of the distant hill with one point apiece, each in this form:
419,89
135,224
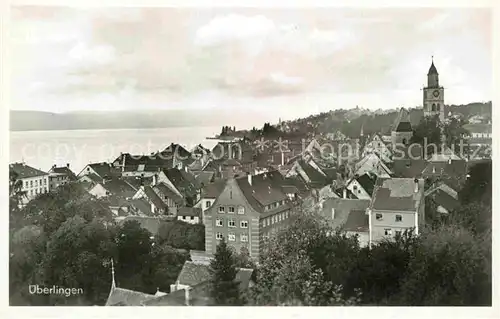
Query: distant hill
45,121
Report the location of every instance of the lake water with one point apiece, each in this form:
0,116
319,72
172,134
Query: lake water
42,149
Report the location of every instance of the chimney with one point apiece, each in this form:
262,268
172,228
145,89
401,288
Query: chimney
449,161
123,163
344,192
433,169
67,165
185,169
333,213
53,166
155,180
416,185
186,295
249,176
282,159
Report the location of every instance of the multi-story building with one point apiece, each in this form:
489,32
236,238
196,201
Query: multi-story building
397,205
402,131
250,209
60,175
34,181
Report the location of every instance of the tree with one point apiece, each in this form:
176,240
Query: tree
451,267
428,133
224,288
305,264
478,186
243,259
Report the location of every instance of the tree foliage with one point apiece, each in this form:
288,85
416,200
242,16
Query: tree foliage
183,235
225,289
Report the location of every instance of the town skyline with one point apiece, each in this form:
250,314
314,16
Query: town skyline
116,59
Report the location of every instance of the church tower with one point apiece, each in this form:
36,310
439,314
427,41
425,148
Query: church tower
433,94
402,131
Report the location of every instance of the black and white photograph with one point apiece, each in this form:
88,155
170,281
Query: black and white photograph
250,156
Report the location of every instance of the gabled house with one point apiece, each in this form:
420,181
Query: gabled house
98,171
209,194
397,205
60,176
116,194
402,131
33,181
348,215
158,206
249,209
408,162
184,183
362,186
310,173
453,172
444,198
372,164
190,215
379,147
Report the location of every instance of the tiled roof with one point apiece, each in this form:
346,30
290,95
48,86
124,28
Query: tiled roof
181,182
367,182
154,198
199,295
456,169
125,297
342,209
402,123
432,69
214,189
357,221
63,170
204,178
192,274
152,224
408,168
189,211
166,191
397,194
104,169
176,149
142,205
118,186
265,189
25,171
443,199
317,179
137,181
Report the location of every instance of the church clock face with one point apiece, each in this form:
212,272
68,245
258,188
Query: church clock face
435,93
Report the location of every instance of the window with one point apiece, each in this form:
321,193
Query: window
286,214
272,219
192,217
184,217
26,184
221,210
218,236
244,238
207,203
388,231
219,222
231,210
378,216
279,217
31,183
31,192
243,224
231,223
399,218
241,210
231,237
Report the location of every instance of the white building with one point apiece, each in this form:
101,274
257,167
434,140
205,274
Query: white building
34,181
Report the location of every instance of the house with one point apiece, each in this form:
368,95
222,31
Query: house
444,197
402,131
479,130
408,162
453,172
379,147
96,172
348,215
480,139
158,205
310,173
113,187
33,181
60,176
397,205
125,297
362,185
141,165
249,209
444,155
184,183
371,163
209,194
190,215
172,199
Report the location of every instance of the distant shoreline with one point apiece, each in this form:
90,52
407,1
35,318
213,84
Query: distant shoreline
108,128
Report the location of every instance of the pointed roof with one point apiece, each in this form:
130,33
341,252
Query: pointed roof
432,69
402,123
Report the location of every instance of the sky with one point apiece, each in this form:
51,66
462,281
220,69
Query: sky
286,61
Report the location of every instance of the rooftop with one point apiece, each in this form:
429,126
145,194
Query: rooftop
24,171
397,194
126,297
